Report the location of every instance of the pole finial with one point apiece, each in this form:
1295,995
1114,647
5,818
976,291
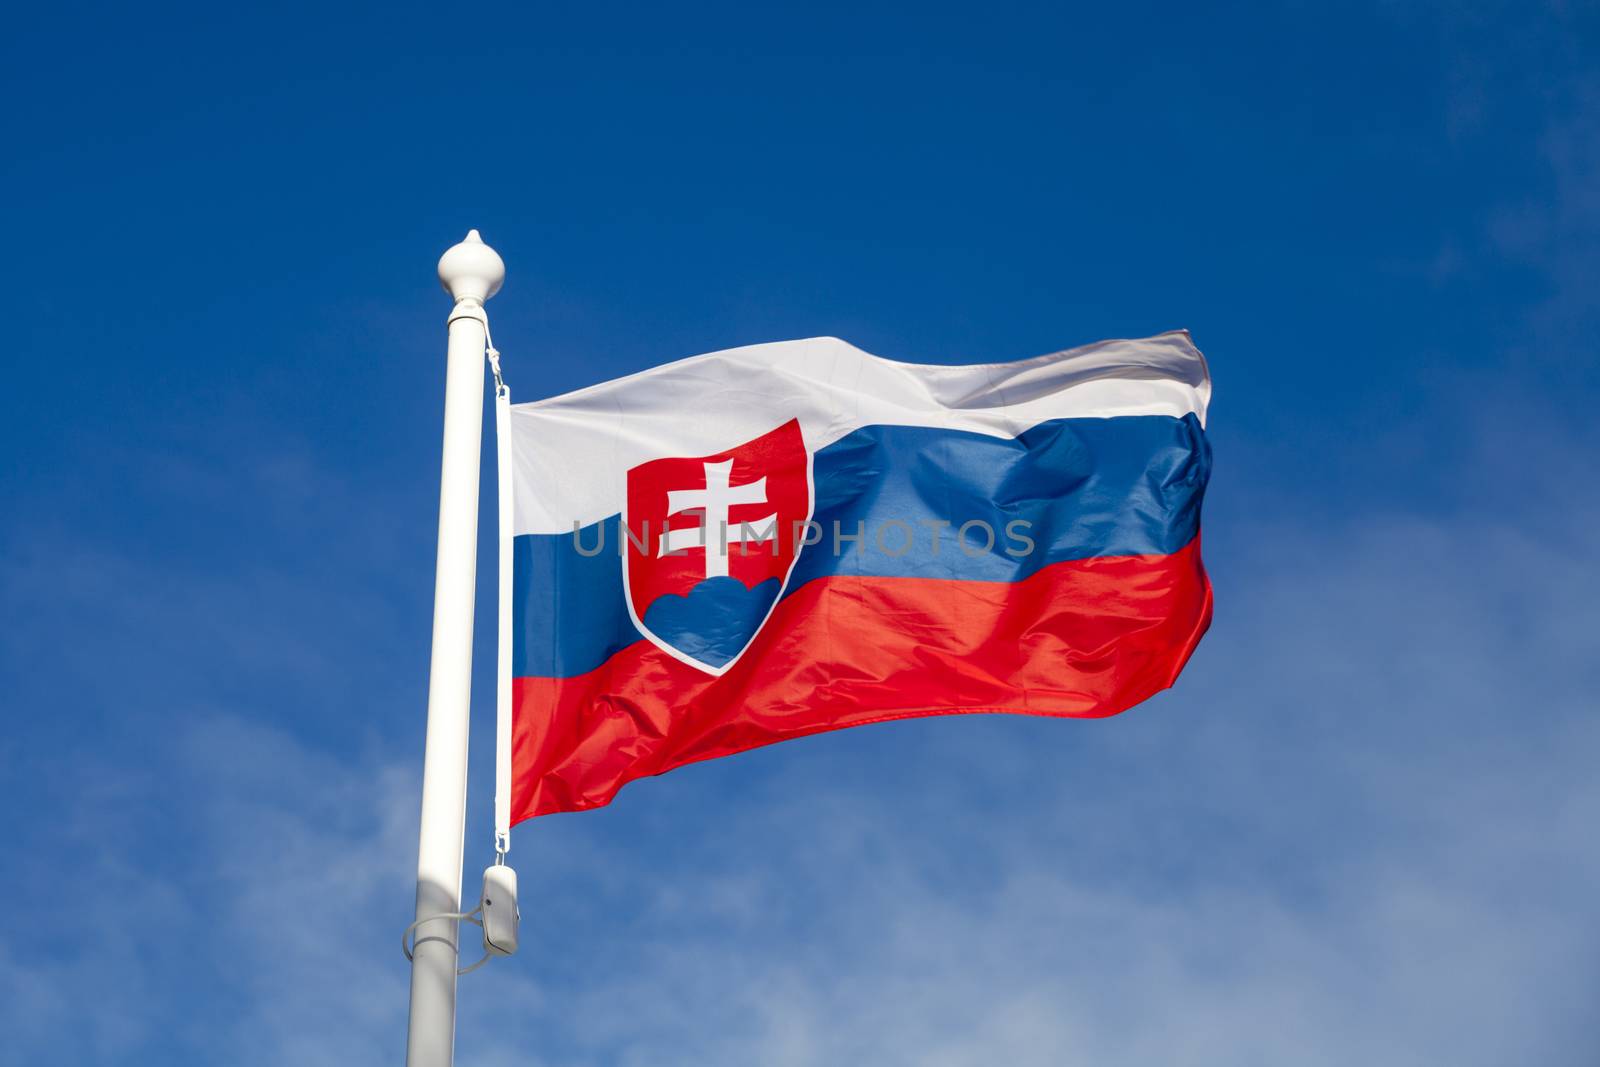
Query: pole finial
471,270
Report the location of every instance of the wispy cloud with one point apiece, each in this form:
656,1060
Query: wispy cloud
1360,829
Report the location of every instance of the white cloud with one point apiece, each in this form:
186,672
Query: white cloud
1360,829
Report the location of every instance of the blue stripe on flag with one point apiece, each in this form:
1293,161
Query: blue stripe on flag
1085,487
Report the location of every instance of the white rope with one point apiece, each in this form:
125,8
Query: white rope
502,739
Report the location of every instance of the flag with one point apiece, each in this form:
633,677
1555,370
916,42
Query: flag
773,541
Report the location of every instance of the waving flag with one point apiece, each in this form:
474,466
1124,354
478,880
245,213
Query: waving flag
777,540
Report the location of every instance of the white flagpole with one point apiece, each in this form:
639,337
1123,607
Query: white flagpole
471,273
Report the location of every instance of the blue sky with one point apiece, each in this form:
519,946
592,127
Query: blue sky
1360,829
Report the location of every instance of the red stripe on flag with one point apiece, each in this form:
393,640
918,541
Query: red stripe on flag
1080,639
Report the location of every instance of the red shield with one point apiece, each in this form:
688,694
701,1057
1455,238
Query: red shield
710,542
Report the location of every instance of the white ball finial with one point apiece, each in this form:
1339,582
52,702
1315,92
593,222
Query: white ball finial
471,270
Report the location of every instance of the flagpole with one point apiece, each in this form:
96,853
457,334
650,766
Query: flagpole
471,273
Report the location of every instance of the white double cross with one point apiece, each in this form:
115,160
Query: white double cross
714,501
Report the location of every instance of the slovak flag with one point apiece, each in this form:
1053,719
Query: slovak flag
773,541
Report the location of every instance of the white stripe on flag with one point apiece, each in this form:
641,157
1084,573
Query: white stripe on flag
572,452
